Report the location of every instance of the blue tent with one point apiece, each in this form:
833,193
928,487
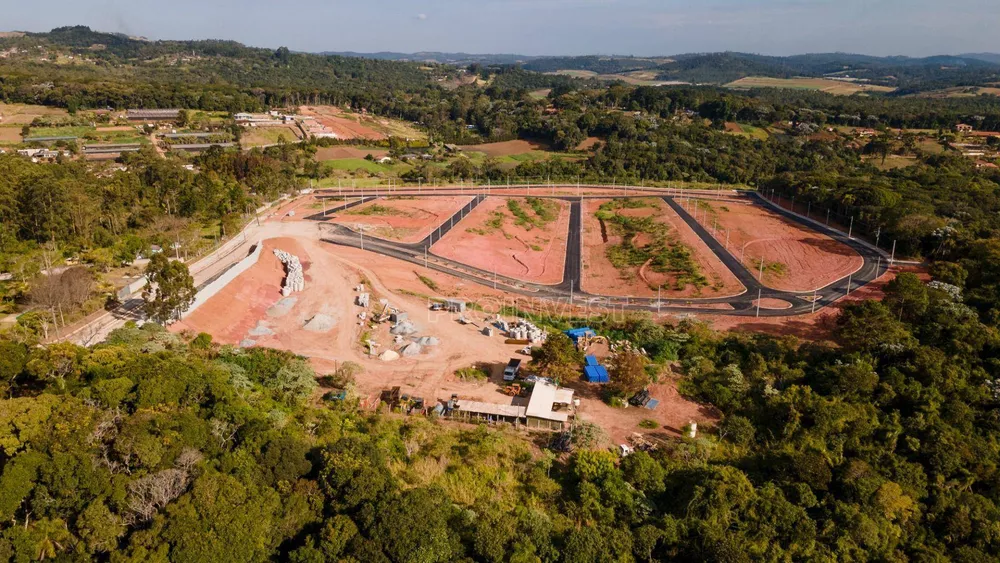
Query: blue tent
596,374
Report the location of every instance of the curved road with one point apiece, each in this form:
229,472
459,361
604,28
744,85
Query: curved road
875,263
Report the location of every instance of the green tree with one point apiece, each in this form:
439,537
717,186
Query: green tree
170,290
557,359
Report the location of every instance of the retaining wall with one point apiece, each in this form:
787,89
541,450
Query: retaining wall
214,286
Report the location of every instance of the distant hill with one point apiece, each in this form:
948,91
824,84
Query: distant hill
986,57
438,57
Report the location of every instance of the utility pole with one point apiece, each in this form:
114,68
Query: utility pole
758,302
761,269
849,279
892,258
850,229
814,302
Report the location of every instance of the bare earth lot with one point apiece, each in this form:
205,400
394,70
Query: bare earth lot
837,87
601,277
795,259
401,219
490,238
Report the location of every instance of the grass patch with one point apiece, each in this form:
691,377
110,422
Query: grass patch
649,423
427,281
477,372
493,223
379,210
777,269
542,212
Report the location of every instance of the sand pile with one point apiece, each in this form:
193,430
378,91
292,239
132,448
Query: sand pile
320,323
389,356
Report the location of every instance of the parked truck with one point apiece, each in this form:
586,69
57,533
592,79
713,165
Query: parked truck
513,367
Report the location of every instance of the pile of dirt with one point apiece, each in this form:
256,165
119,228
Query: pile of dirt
321,323
389,356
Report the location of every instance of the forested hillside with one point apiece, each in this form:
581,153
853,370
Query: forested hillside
155,447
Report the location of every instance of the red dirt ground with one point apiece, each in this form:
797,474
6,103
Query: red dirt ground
508,250
588,143
341,123
600,277
334,153
418,217
811,260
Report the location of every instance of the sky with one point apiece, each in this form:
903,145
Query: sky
543,27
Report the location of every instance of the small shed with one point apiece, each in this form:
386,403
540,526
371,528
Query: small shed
595,372
454,305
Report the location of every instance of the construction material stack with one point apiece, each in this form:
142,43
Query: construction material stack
294,278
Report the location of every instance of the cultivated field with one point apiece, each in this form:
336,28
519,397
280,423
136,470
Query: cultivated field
838,87
506,148
794,258
631,249
523,238
401,219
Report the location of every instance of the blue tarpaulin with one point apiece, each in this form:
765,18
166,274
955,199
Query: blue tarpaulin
596,374
575,334
591,361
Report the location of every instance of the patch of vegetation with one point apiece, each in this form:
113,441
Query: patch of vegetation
776,269
665,254
649,424
380,211
542,213
427,281
478,372
493,224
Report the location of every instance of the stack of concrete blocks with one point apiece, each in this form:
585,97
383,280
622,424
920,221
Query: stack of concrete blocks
363,300
294,278
525,330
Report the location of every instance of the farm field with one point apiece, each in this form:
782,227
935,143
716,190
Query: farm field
837,87
794,257
24,114
643,245
401,219
511,236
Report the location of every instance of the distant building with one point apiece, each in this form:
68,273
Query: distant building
152,114
984,164
963,128
865,132
384,160
48,140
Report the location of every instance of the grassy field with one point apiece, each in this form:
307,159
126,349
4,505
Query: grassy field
892,162
259,136
837,87
352,164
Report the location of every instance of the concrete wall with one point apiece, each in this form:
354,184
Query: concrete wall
223,280
132,288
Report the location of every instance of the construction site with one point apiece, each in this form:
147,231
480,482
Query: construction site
416,285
